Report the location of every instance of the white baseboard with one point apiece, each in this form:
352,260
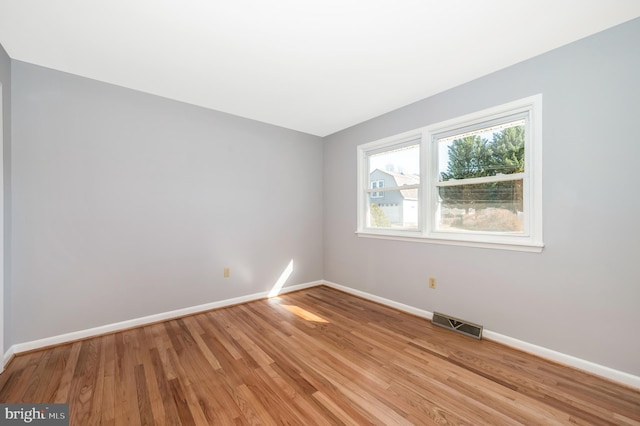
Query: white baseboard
137,322
571,361
7,356
391,303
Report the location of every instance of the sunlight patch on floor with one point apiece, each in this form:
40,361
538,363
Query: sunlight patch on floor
304,314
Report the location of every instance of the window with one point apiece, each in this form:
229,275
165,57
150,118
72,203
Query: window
399,166
474,180
377,184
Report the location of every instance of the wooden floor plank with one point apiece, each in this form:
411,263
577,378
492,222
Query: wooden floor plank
316,356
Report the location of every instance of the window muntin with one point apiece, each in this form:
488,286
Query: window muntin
492,199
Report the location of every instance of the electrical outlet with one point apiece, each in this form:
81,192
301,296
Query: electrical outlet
227,272
432,282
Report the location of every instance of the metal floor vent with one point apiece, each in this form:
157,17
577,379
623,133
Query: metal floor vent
455,324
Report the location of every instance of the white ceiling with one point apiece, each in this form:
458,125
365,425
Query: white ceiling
317,66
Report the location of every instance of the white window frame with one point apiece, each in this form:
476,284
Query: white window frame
529,240
387,144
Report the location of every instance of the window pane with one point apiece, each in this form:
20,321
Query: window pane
402,161
489,207
396,208
394,213
483,152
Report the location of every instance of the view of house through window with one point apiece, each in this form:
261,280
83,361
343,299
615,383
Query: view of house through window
377,184
397,173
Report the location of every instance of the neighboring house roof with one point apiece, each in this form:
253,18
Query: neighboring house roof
401,180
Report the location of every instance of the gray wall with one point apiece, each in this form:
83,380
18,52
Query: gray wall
5,81
581,296
127,204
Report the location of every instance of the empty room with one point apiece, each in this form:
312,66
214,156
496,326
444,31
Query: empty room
336,212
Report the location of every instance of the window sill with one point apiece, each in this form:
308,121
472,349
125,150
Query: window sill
417,238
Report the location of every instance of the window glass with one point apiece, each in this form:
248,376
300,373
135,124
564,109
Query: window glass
486,152
397,171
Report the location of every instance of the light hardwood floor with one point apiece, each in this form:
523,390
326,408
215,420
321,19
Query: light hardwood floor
317,356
